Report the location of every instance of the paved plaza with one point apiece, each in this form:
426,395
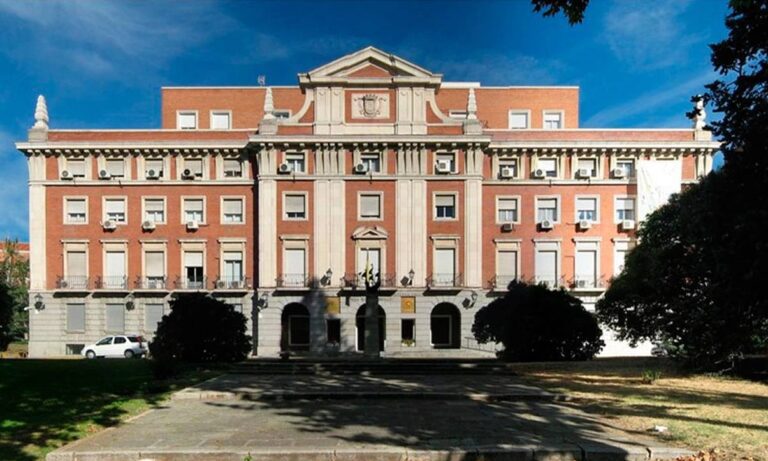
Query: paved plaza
309,417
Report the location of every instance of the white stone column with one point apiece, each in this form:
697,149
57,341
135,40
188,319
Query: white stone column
267,225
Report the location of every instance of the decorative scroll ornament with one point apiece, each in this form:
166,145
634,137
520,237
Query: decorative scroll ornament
41,113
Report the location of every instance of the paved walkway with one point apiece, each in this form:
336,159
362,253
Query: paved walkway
304,426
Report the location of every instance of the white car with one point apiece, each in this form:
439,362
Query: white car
128,346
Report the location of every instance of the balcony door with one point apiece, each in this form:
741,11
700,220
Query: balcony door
444,269
294,267
114,273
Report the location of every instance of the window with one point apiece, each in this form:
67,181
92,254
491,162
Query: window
447,158
627,166
76,318
76,269
154,165
154,269
221,120
232,210
296,161
76,211
115,318
372,161
407,330
586,209
445,206
506,267
620,251
369,257
115,167
233,267
194,210
553,120
586,266
370,206
114,210
589,165
74,349
518,119
154,210
625,209
193,270
546,266
507,210
114,270
195,167
186,120
294,267
233,168
281,114
76,167
457,114
508,168
444,267
295,207
547,209
333,329
549,166
153,314
238,307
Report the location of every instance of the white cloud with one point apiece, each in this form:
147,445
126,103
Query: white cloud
648,104
649,35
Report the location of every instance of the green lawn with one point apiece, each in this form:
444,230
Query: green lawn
702,412
45,404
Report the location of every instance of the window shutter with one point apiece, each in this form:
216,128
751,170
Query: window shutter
220,121
369,206
193,259
76,167
546,265
76,317
115,318
547,164
116,167
115,206
294,204
585,264
76,264
445,261
507,263
193,205
153,205
76,206
294,261
153,314
518,120
195,165
154,262
444,200
586,204
233,206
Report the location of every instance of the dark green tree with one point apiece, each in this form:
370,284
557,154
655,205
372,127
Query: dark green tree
6,316
695,280
572,9
535,323
201,329
14,273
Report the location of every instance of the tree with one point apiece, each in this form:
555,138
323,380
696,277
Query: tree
572,9
14,273
201,329
695,280
535,323
6,316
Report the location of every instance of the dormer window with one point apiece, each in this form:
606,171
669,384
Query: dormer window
281,114
553,120
518,119
221,120
458,114
186,120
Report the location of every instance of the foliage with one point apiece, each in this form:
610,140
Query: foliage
650,376
535,323
572,9
694,281
201,329
6,316
14,274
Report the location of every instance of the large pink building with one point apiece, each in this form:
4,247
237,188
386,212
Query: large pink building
275,198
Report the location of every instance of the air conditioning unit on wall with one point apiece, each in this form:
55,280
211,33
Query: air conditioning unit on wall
361,168
618,173
585,224
443,167
104,174
547,224
627,224
284,168
193,225
148,225
507,173
109,225
539,173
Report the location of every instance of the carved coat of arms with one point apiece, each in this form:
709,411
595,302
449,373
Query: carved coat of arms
371,105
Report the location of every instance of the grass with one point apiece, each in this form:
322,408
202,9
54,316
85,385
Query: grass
702,412
45,404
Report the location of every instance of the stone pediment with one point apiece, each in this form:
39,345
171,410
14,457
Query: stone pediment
370,233
369,64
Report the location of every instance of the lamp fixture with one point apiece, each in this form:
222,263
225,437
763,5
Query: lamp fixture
263,301
326,280
39,302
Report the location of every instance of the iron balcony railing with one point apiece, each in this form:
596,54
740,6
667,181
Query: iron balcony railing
72,282
588,282
231,283
112,282
444,280
293,281
191,283
549,281
151,283
501,282
356,281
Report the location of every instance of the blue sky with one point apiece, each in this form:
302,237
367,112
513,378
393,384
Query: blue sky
101,64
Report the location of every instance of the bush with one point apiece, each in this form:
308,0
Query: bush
200,329
535,323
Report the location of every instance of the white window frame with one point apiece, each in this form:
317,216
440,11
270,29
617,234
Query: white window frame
618,160
455,195
306,205
107,198
518,199
145,167
154,247
180,113
454,162
558,211
371,153
588,244
223,174
305,161
188,247
144,208
546,112
65,215
242,200
616,198
503,161
596,198
183,208
558,166
220,112
360,195
76,247
527,113
104,164
549,245
86,166
503,246
597,172
621,245
203,166
114,247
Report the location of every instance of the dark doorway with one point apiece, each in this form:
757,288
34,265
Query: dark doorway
445,325
360,324
295,328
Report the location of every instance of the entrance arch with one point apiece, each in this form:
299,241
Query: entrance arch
294,329
360,327
445,326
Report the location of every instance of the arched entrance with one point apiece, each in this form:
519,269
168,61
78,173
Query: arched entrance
360,327
294,328
445,325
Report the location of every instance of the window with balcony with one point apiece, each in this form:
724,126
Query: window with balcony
194,166
186,120
76,212
547,209
294,267
370,206
154,210
295,207
369,258
154,167
233,269
233,168
115,167
194,210
114,210
297,162
154,270
444,267
221,120
153,314
506,209
445,206
553,120
518,120
506,267
75,318
625,209
76,167
546,265
75,270
232,210
586,265
193,270
548,166
620,250
115,318
114,270
586,209
588,166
